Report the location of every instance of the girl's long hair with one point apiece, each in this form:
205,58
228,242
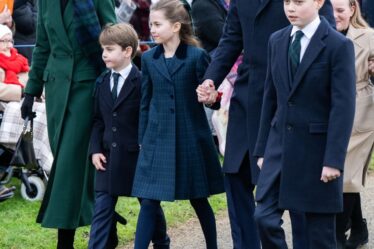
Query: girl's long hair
357,20
175,11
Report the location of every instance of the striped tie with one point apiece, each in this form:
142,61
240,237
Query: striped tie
294,52
115,85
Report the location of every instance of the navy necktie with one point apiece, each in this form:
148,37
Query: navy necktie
115,85
294,52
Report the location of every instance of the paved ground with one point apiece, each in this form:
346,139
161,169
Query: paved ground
189,236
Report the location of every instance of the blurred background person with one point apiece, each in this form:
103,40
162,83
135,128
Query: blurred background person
350,23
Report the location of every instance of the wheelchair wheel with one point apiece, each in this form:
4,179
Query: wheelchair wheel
37,186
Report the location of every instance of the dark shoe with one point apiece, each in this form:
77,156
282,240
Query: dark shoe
359,236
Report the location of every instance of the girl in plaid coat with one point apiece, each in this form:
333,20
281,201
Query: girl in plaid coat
177,160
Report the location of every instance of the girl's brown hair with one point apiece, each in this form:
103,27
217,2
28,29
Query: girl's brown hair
175,11
357,20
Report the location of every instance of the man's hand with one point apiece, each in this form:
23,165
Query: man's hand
98,160
206,92
329,174
260,161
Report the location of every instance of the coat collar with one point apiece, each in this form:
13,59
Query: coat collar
128,86
354,33
59,21
315,46
178,62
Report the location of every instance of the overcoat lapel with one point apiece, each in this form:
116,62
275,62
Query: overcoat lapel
315,46
262,6
127,88
68,15
355,34
284,42
55,10
107,94
159,62
176,65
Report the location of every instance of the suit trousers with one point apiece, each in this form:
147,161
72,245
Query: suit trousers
103,227
319,227
241,206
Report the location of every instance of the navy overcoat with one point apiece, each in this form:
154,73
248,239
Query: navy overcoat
306,123
248,27
177,159
115,134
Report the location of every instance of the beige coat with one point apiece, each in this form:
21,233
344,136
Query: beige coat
362,139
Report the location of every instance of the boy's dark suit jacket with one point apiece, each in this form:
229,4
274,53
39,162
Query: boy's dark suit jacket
115,134
248,27
306,123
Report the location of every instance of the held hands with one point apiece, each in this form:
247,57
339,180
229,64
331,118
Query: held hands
99,160
206,92
260,161
329,174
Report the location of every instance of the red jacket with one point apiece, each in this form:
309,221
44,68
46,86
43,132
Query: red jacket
13,65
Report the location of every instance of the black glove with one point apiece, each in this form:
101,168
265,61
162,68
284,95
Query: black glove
26,108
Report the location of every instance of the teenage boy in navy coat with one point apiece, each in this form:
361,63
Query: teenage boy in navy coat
306,122
248,27
114,138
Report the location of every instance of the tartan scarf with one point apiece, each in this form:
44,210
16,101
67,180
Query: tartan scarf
87,29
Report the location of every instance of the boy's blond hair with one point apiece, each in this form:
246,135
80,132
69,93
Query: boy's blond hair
122,34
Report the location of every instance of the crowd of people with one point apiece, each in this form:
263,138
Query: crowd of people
128,119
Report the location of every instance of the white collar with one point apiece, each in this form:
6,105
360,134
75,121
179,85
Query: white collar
124,72
309,29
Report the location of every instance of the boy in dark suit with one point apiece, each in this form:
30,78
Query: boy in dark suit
114,137
306,121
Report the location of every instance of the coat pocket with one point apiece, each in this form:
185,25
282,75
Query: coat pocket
364,116
316,128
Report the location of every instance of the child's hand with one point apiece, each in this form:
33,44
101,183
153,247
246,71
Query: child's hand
371,66
260,161
206,92
329,174
98,160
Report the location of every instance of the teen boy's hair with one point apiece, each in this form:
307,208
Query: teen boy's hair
121,34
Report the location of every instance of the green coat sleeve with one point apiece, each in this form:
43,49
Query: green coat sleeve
105,11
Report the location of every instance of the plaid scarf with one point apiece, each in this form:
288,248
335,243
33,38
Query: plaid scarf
88,28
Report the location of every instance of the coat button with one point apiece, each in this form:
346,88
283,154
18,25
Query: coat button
114,145
114,129
172,110
289,127
114,114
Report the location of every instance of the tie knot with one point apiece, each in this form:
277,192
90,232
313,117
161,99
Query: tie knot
299,34
115,76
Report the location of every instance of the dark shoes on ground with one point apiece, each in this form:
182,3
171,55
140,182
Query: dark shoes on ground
359,236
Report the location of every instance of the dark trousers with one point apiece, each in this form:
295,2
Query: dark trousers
147,222
103,234
241,206
352,212
319,228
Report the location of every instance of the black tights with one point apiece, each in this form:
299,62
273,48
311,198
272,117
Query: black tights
65,238
351,212
146,222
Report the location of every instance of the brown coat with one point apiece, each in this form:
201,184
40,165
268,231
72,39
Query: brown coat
362,139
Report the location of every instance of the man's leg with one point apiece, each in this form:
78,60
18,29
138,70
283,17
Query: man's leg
321,231
102,220
241,206
269,219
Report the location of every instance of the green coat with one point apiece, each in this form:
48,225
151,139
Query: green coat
60,66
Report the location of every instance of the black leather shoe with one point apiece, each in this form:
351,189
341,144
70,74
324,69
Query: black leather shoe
359,236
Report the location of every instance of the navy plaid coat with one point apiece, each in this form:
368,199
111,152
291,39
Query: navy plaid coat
177,159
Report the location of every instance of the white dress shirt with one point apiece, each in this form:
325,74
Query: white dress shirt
124,73
308,32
